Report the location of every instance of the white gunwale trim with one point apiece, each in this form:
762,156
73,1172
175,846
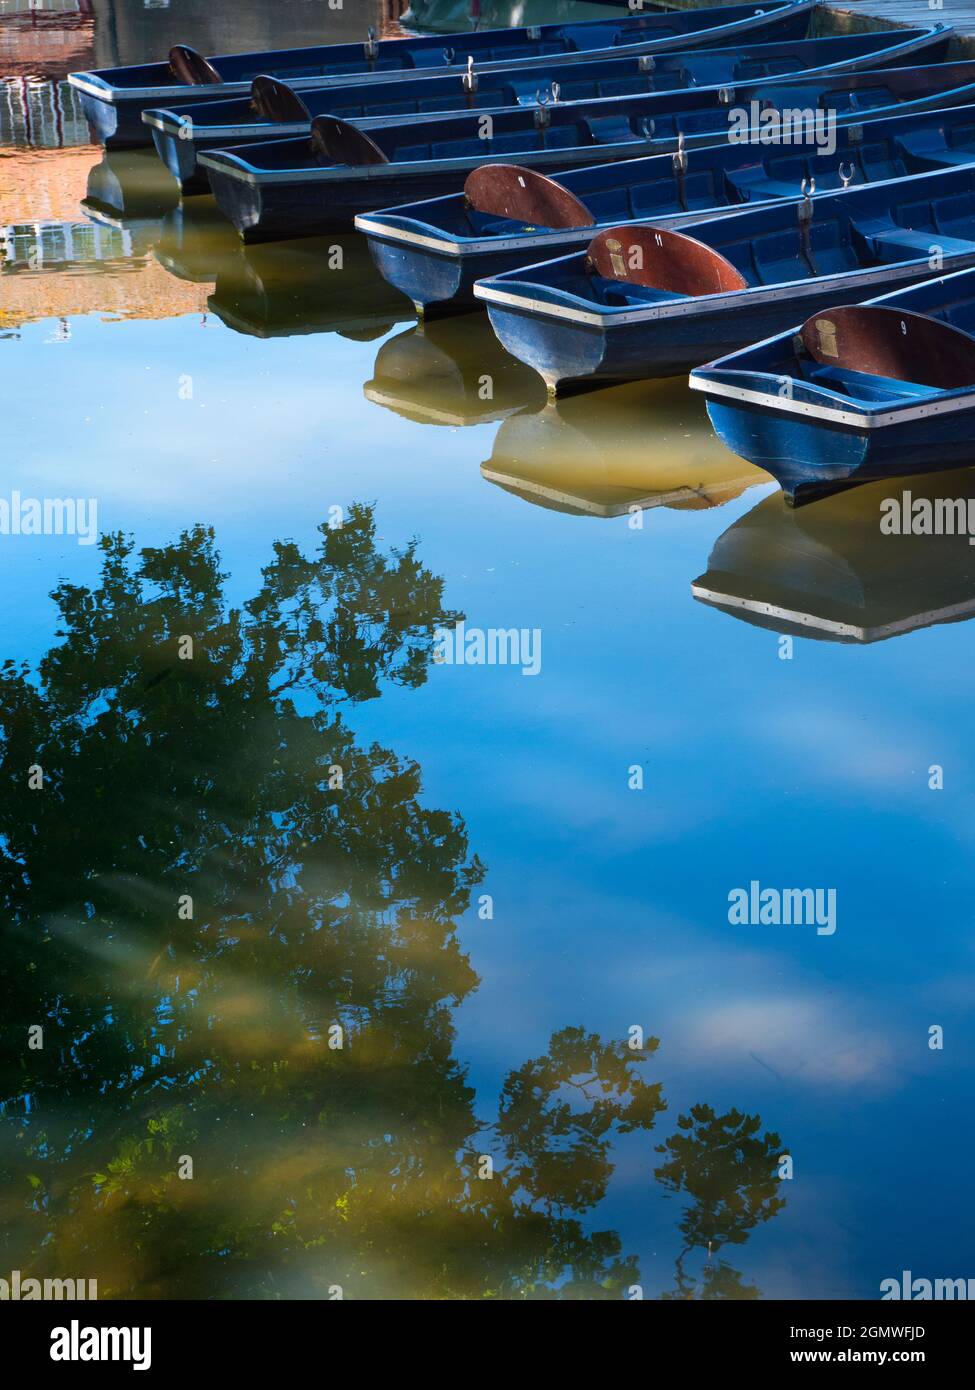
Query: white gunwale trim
172,125
234,167
556,237
855,419
860,634
699,307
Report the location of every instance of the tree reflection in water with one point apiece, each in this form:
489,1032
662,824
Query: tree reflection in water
216,875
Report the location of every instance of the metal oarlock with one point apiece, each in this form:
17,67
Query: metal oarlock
370,47
449,54
469,79
679,160
804,213
647,63
543,116
846,175
726,95
647,127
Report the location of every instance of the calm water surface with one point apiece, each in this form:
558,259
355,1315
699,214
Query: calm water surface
267,813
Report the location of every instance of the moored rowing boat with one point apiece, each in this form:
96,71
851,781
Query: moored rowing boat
114,99
274,110
302,186
883,389
645,302
434,252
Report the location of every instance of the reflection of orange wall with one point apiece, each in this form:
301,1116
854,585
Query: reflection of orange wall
122,289
46,45
44,185
48,186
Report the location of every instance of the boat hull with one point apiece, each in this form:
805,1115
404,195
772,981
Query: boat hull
118,124
433,254
309,203
814,458
439,285
573,356
179,132
114,98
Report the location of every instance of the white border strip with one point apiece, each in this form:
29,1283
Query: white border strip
792,289
852,418
861,634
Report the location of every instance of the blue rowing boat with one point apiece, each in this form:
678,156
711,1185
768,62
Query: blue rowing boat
832,571
646,302
876,390
434,252
114,99
273,109
307,185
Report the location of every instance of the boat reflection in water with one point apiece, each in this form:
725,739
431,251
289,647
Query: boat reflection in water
195,240
829,571
630,447
318,285
127,185
451,372
57,264
276,289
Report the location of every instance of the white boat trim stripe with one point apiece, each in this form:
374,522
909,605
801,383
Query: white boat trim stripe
795,289
862,634
853,418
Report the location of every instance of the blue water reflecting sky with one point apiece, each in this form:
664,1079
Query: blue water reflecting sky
610,904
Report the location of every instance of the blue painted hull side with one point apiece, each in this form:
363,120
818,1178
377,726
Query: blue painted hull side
810,457
179,157
305,207
573,355
439,284
118,124
276,211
